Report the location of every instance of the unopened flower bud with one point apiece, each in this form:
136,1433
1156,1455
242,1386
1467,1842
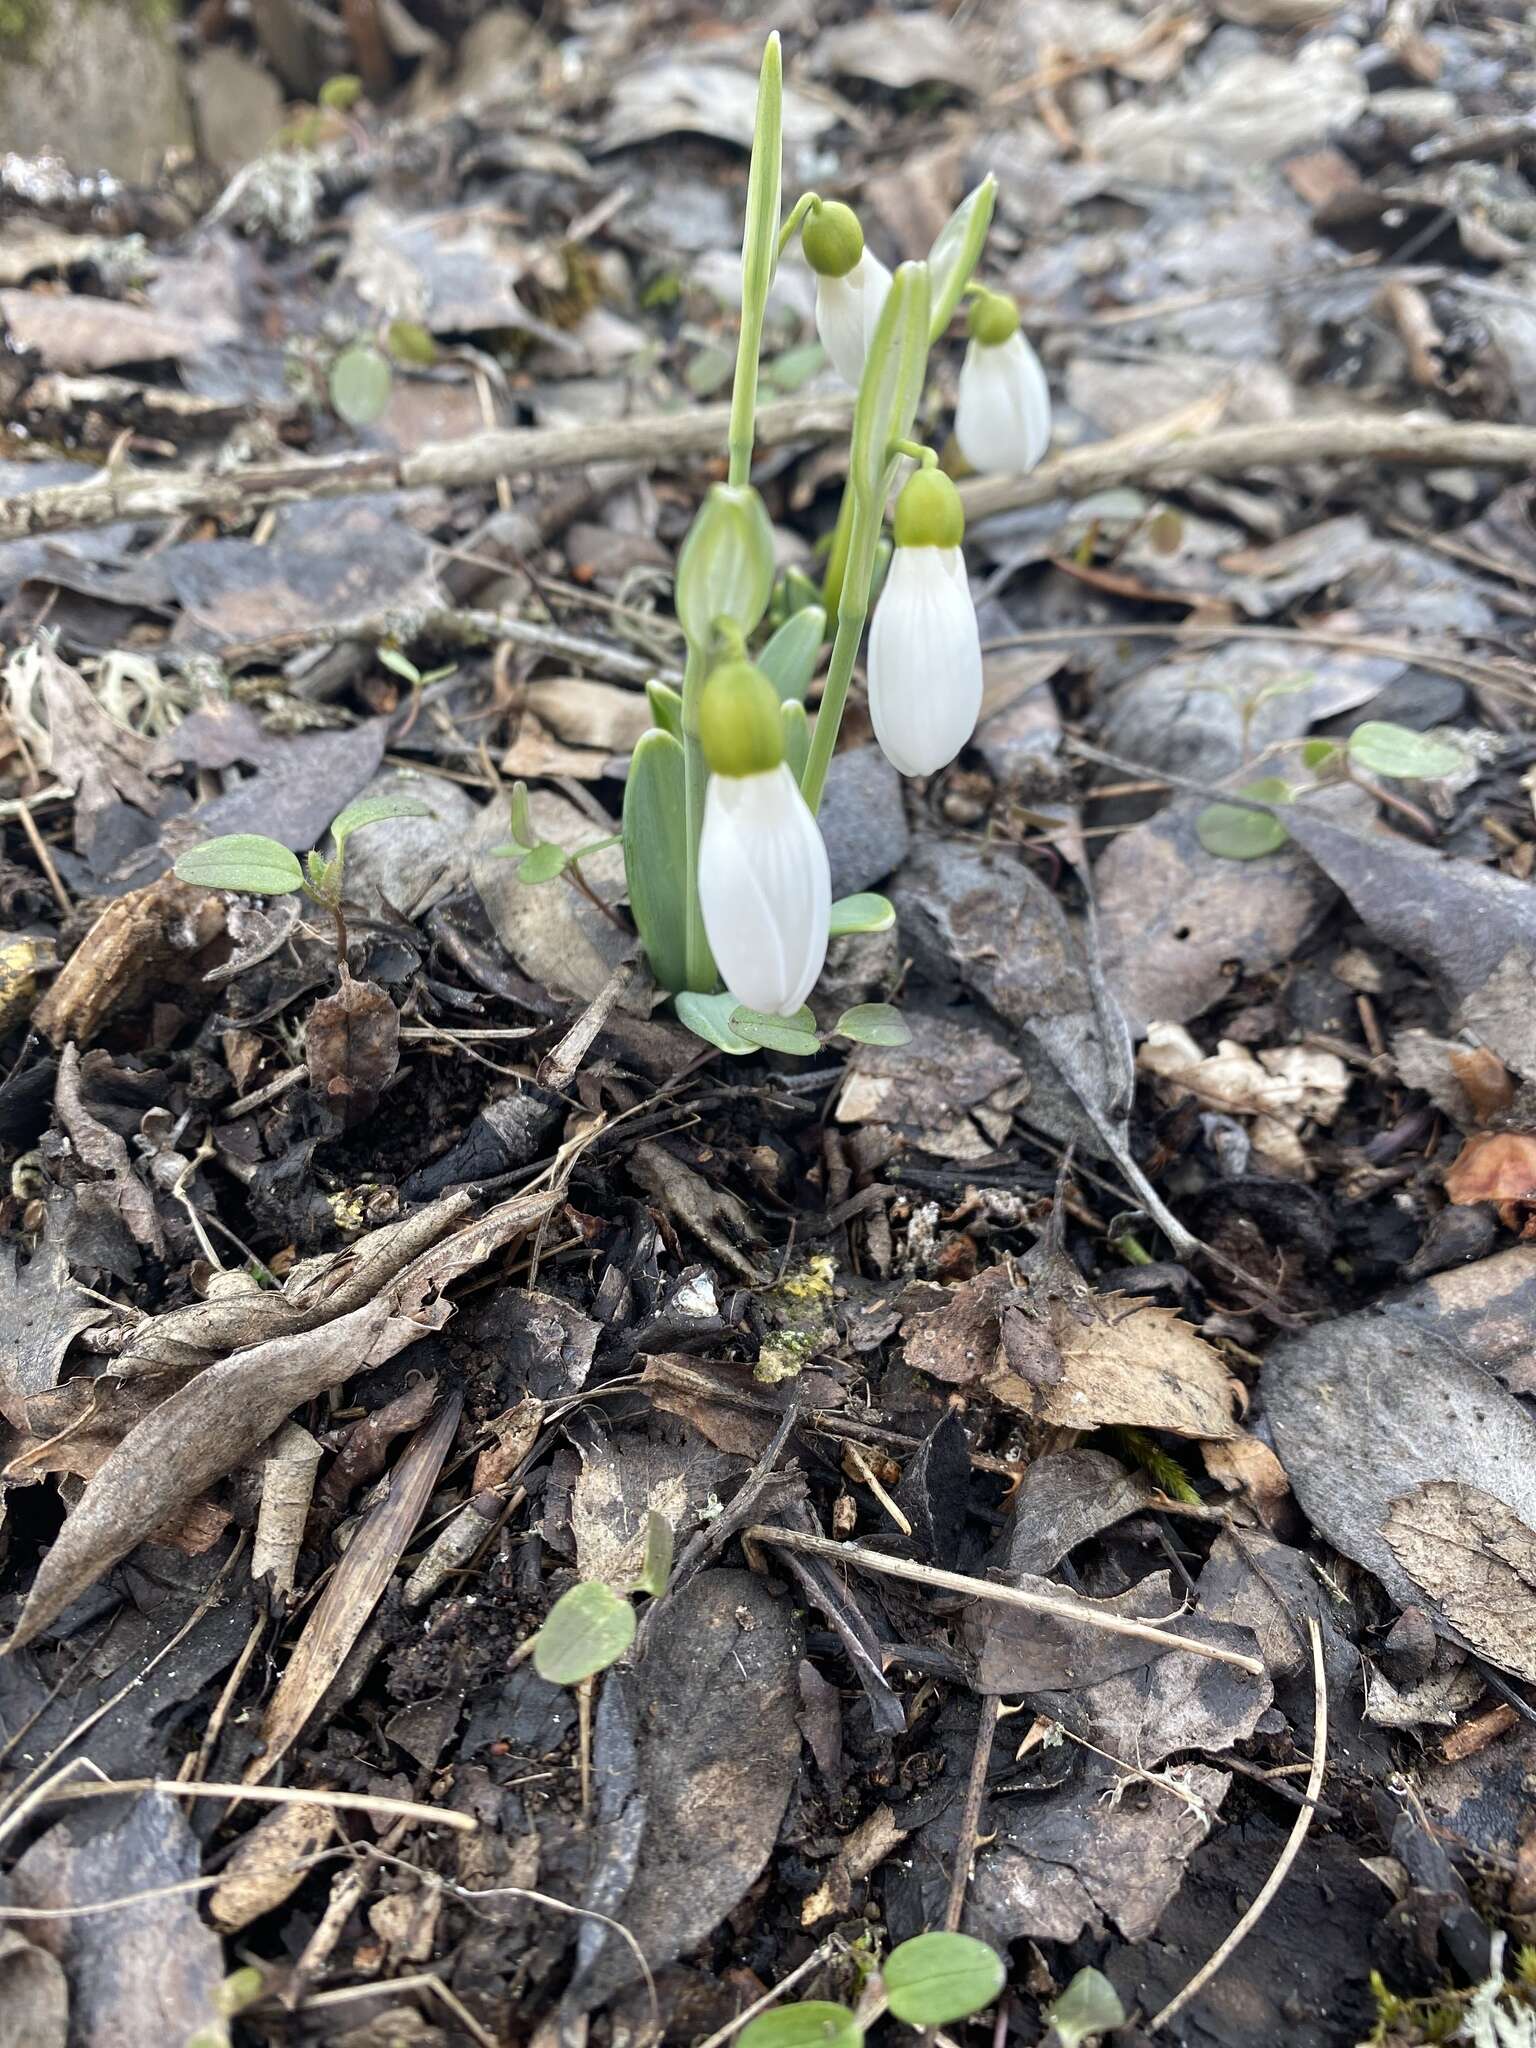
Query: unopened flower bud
1003,417
832,239
925,677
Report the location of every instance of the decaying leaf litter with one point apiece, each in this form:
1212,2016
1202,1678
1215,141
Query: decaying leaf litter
1172,1281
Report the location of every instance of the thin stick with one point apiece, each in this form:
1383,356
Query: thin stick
1234,451
1288,1854
817,1956
239,494
45,860
423,1981
970,1813
275,1795
1001,1596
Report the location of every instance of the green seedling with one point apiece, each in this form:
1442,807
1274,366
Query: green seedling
931,1981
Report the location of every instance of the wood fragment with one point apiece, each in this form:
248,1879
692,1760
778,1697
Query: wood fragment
1064,1609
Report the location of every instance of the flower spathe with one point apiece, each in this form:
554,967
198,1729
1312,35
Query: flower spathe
765,889
1003,417
848,310
924,660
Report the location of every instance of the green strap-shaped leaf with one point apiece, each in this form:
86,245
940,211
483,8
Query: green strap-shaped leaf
797,736
656,854
957,250
666,706
656,1565
789,660
893,383
759,252
246,861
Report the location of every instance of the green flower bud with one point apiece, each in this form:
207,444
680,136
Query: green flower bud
740,727
928,512
725,570
994,319
832,239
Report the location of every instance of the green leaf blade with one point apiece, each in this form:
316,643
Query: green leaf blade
1233,832
243,861
666,707
936,1978
373,810
360,383
656,1567
866,912
892,385
790,658
795,1035
545,862
1401,754
709,1018
814,2023
957,250
656,854
1089,2005
588,1628
873,1024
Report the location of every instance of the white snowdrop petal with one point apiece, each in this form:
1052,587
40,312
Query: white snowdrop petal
924,661
1003,417
765,889
847,311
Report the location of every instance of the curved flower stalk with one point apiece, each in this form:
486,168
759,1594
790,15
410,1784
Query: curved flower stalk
851,286
924,646
765,886
1003,417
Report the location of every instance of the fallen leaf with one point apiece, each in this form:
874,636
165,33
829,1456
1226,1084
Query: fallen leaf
352,1048
77,332
219,1418
1493,1166
1476,1559
353,1590
165,935
269,1864
34,1995
1282,1089
898,51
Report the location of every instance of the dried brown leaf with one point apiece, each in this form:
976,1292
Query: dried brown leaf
1493,1166
269,1865
103,1153
352,1048
1476,1559
34,1995
354,1589
217,1420
164,935
287,1487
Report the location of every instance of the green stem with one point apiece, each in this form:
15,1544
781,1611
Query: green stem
698,961
928,457
791,227
852,610
837,556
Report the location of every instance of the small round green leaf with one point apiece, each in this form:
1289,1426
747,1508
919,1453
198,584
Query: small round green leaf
1238,834
816,2023
795,1034
587,1629
936,1978
543,863
873,1024
709,1018
1089,2005
360,384
864,913
244,860
1317,755
410,343
1394,750
371,810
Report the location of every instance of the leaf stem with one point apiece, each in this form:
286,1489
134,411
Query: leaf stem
852,610
791,227
759,257
928,457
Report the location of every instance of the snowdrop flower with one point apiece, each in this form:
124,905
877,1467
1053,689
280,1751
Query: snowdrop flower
765,888
851,286
1003,418
924,646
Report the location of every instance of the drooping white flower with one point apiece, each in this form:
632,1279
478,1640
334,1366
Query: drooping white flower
847,313
765,885
765,888
851,286
924,646
1003,417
